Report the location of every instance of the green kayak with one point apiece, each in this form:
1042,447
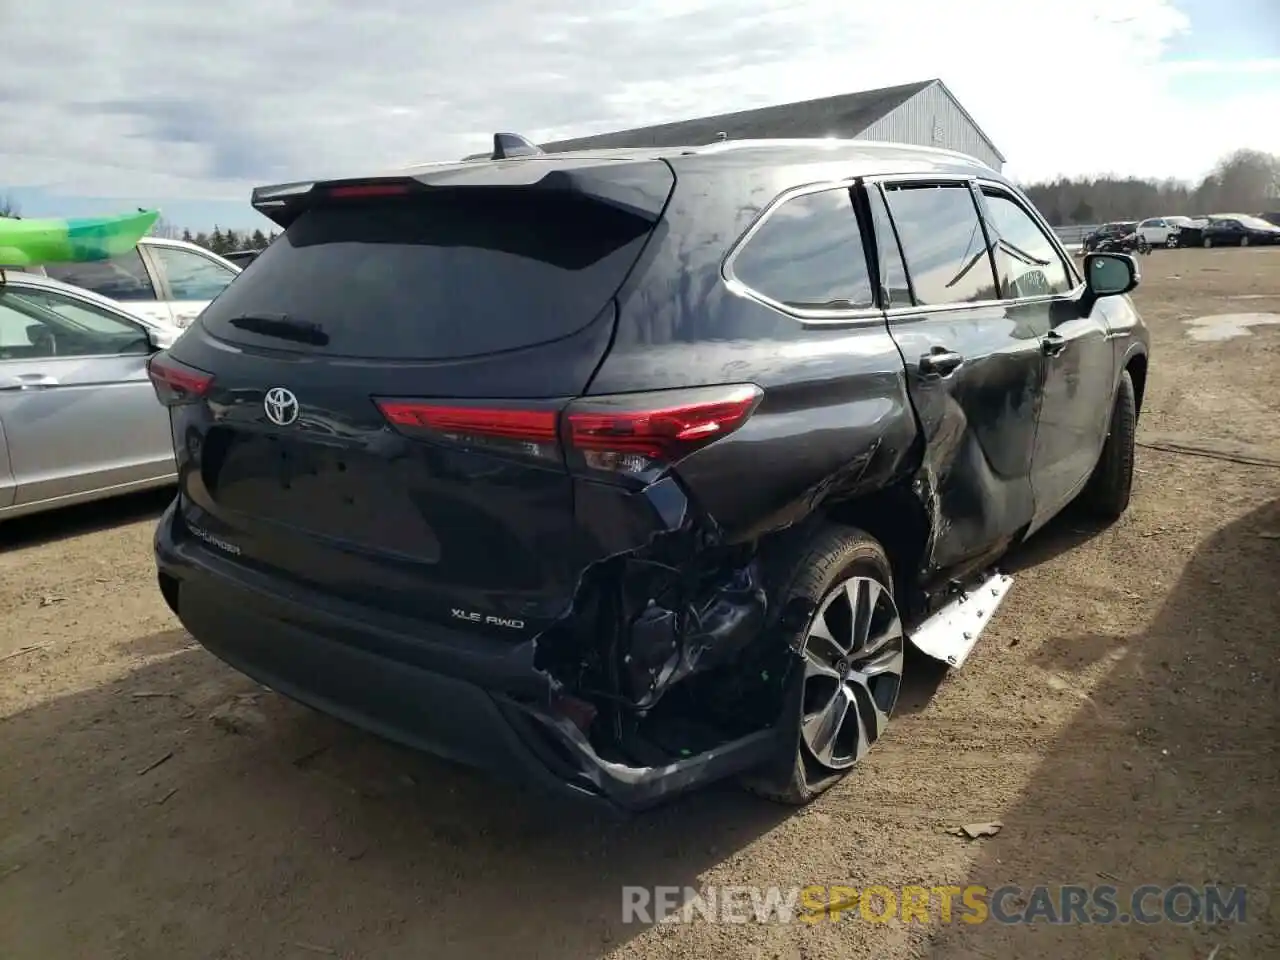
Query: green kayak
27,242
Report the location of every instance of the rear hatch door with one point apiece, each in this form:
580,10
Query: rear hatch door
381,417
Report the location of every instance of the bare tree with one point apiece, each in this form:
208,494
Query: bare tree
1245,181
165,230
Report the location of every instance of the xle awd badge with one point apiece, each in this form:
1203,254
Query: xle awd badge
472,616
281,406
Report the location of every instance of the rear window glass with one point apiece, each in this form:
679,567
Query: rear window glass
807,253
458,273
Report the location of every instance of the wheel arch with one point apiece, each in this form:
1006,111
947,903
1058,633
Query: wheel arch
1136,366
896,517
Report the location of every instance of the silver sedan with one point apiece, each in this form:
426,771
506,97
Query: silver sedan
79,419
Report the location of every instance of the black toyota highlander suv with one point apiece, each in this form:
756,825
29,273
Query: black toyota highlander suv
619,472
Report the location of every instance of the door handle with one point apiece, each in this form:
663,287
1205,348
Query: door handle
940,362
1053,344
28,381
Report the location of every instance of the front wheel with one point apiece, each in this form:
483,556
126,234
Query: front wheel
1208,242
844,686
1110,487
1244,241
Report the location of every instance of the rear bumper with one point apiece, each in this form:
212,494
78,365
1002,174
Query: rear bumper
444,694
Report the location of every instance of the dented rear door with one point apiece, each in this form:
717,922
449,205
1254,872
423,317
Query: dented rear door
974,370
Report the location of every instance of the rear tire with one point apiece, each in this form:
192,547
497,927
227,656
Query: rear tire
842,689
1110,487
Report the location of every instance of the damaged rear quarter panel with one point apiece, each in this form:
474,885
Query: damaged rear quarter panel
835,421
836,418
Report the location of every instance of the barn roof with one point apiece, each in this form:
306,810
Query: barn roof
845,116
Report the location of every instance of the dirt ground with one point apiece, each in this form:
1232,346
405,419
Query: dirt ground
1120,719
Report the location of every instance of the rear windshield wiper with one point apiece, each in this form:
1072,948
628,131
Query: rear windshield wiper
280,325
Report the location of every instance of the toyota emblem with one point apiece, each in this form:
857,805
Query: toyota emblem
281,406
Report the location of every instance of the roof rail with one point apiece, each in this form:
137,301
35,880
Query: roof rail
509,145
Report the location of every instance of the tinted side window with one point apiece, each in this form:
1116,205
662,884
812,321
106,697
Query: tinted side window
807,253
893,272
191,276
121,278
943,243
39,323
1026,261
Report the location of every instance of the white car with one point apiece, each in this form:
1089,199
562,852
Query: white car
1162,231
79,418
164,280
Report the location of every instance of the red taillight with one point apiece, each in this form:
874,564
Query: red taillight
636,433
366,190
176,382
630,434
514,430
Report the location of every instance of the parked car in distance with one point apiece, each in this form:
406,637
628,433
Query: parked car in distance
604,470
1115,230
79,419
1238,230
167,280
1162,231
1189,234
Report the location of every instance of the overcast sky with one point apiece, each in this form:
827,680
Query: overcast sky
186,105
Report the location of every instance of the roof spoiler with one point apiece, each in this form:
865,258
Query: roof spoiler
639,192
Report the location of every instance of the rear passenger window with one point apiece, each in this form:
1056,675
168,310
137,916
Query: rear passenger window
943,243
1026,261
893,273
121,278
807,254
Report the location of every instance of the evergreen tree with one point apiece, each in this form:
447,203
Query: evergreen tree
257,241
202,240
231,241
186,235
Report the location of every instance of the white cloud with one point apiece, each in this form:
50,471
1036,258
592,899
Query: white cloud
176,98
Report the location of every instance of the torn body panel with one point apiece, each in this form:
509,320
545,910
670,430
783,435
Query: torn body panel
671,646
977,427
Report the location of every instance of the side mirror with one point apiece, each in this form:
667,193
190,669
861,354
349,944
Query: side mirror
1107,275
161,339
1110,274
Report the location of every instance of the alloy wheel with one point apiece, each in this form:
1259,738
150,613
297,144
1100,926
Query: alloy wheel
853,659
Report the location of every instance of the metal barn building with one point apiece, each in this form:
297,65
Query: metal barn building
924,113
